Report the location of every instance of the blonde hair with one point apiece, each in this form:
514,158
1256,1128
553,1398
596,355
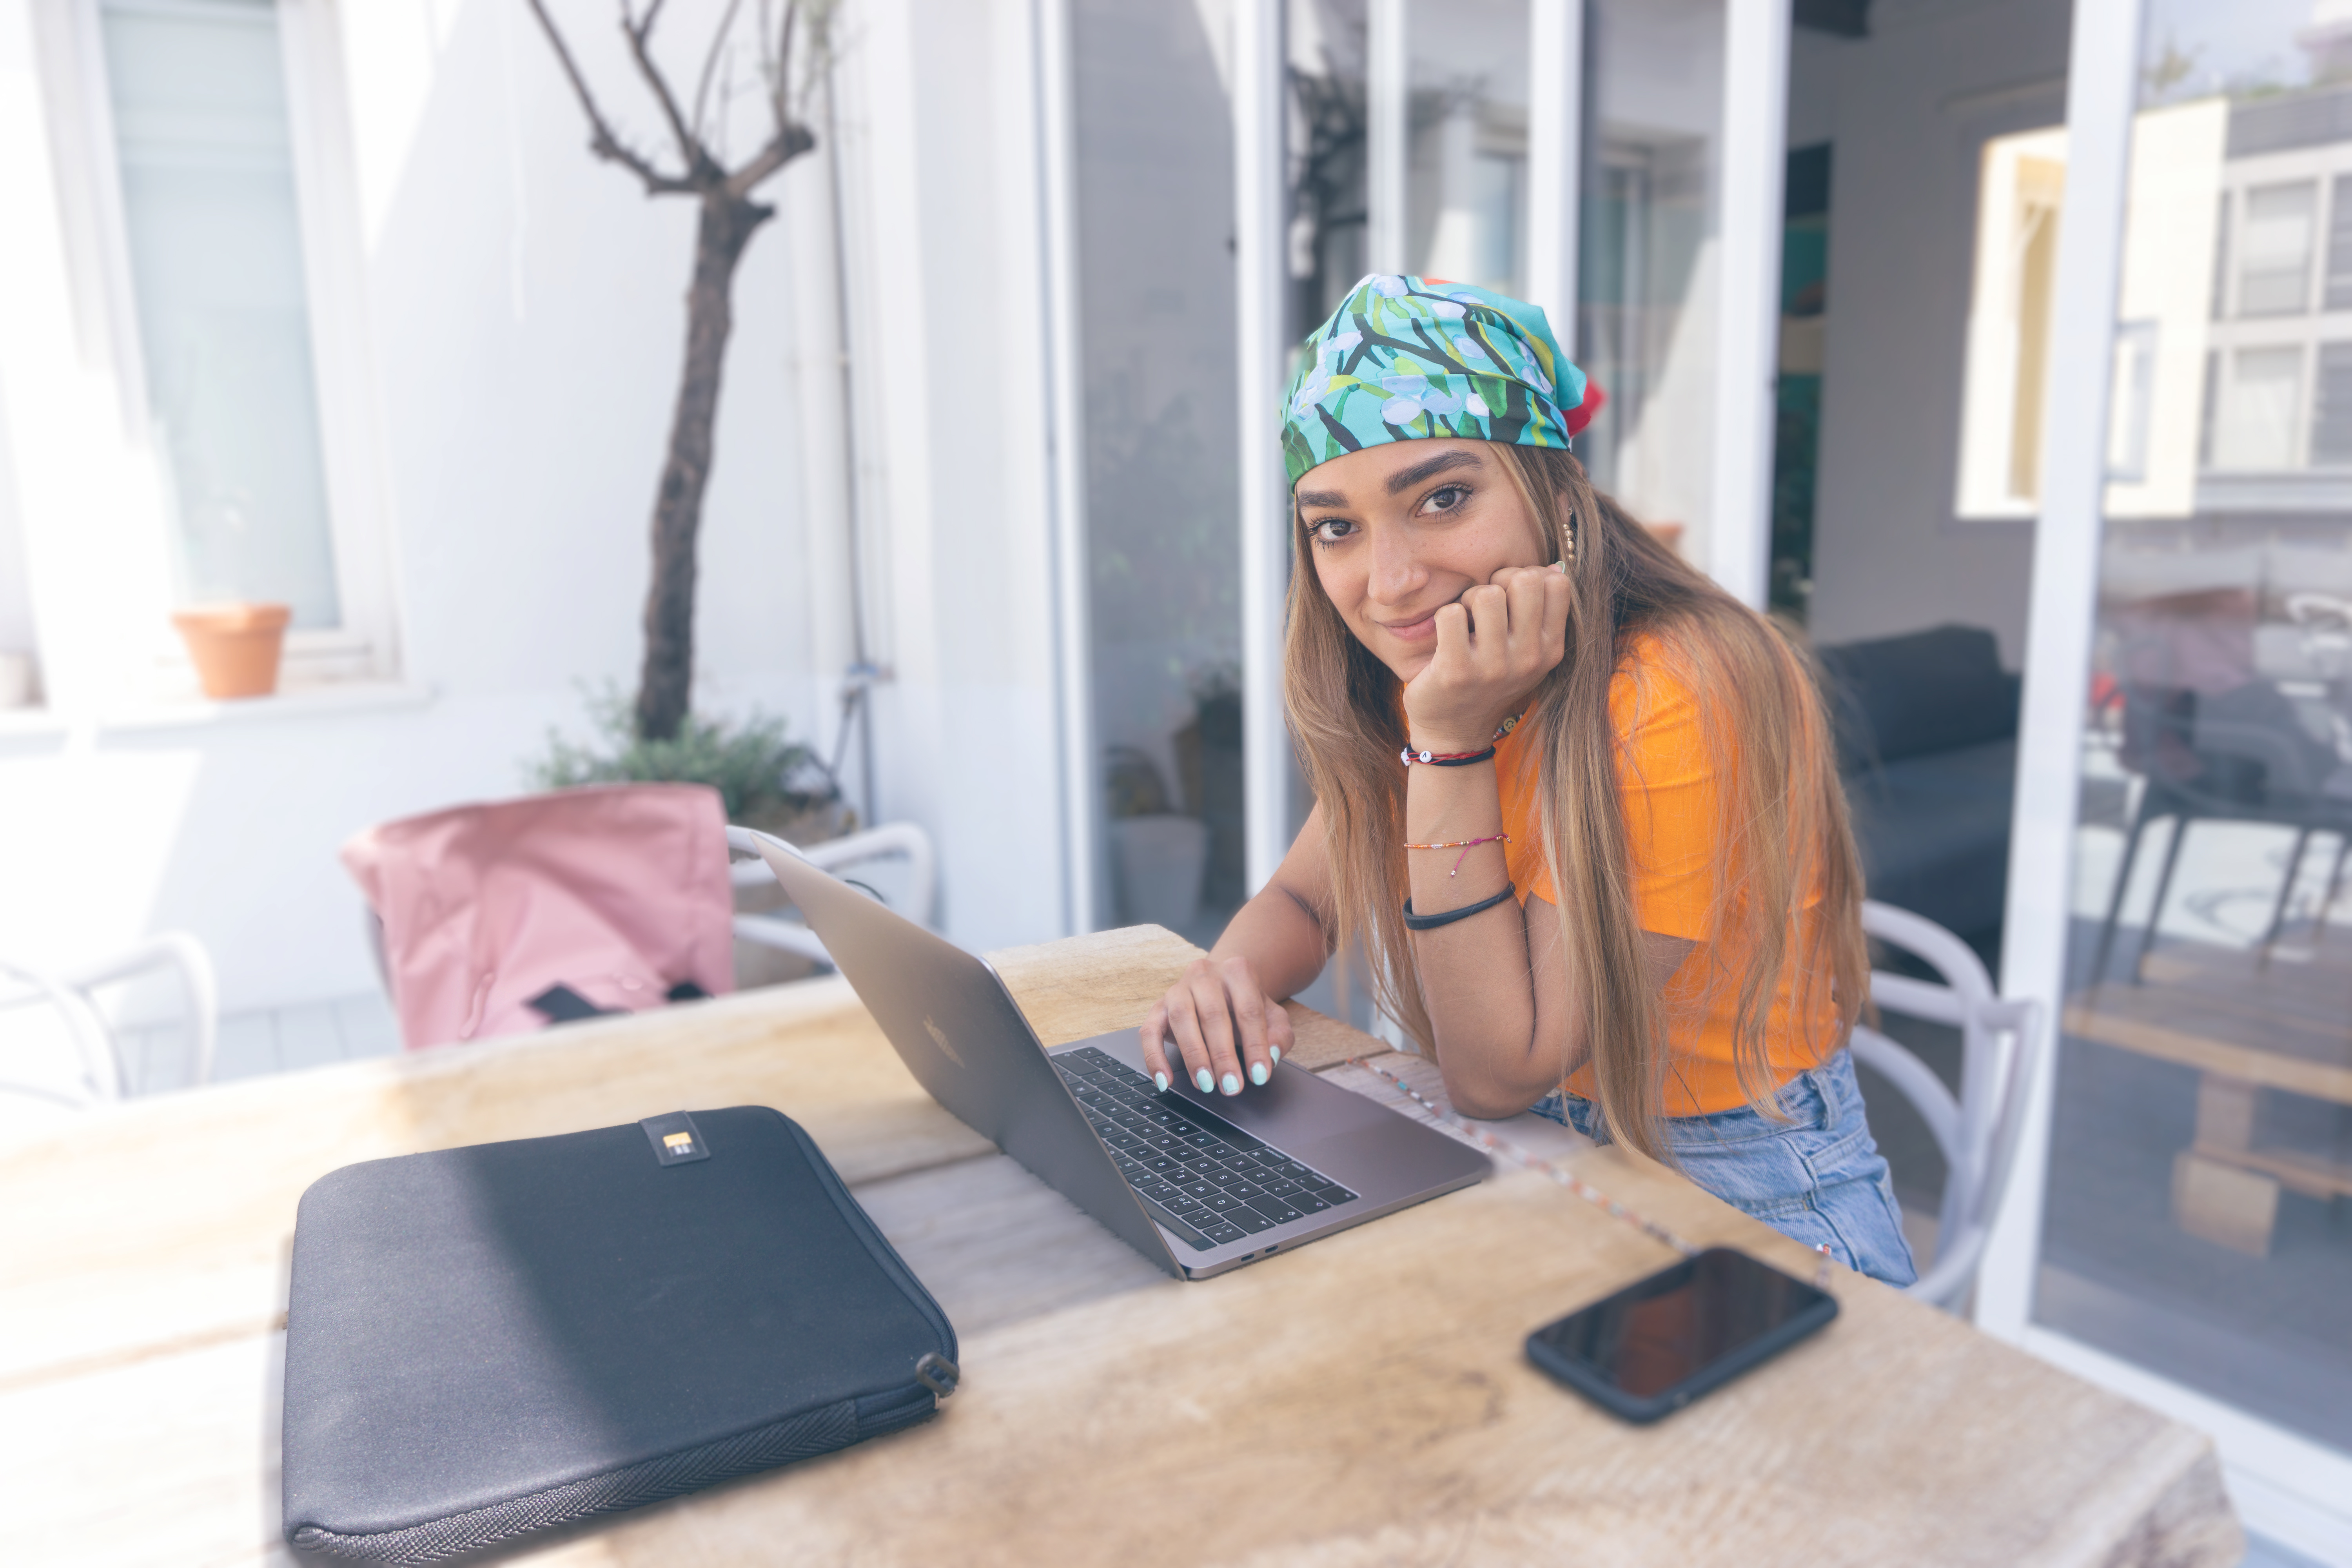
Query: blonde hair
1781,818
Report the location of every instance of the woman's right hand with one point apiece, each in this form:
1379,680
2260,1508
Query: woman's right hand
1227,1032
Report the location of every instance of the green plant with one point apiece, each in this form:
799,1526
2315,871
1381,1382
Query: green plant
749,763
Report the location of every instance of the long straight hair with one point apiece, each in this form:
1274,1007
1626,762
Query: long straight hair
1781,831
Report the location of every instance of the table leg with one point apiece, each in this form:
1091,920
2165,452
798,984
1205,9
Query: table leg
2215,1200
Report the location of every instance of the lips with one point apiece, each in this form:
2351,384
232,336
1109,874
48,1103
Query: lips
1412,631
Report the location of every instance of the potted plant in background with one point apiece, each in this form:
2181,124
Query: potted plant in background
765,779
236,648
1157,853
1209,761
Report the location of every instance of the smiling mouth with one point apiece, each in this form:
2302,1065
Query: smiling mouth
1412,631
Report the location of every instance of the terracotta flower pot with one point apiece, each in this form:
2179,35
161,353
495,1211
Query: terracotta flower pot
235,648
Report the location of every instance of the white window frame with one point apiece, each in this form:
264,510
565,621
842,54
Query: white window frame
2285,1484
366,645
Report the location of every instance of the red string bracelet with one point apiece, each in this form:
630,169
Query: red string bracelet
1460,759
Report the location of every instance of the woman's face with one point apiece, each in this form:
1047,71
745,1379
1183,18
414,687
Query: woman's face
1401,529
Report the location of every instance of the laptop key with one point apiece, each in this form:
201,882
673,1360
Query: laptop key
1334,1194
1193,1187
1222,1233
1159,1162
1182,1226
1280,1212
1248,1218
1308,1203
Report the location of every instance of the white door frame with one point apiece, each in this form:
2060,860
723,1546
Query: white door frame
1753,165
2285,1486
1066,423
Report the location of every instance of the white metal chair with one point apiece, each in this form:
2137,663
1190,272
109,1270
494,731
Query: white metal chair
892,840
1978,1131
101,1078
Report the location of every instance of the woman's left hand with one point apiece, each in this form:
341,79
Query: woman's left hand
1493,645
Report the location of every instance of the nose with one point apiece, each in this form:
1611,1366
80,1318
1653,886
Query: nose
1397,572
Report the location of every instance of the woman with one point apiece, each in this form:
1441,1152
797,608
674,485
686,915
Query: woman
1576,803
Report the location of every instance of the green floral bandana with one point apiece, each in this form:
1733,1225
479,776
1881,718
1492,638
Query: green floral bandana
1406,359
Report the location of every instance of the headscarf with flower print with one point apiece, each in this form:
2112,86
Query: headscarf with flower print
1406,359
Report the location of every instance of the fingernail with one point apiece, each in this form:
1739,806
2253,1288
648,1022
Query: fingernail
1160,1081
1560,567
1276,1052
1231,1084
1257,1073
1205,1080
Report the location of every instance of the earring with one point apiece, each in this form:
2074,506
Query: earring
1568,540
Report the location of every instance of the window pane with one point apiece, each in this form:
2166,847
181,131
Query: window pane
2197,1220
2331,416
2274,255
199,98
2339,245
2256,428
1467,158
1646,281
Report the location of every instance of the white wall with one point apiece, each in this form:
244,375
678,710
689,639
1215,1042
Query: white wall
1907,110
524,306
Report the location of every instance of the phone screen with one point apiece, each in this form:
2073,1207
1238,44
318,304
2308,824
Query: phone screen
1714,1312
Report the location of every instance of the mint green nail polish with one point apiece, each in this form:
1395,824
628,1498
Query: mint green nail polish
1276,1052
1257,1072
1231,1084
1160,1081
1205,1080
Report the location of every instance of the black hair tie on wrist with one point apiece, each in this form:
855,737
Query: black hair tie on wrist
1430,922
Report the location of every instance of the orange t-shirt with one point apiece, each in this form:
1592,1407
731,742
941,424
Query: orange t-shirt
1667,787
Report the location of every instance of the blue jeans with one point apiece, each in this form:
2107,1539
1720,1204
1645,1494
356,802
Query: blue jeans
1817,1177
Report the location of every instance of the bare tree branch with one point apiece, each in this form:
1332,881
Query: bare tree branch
700,167
779,67
710,62
602,142
782,147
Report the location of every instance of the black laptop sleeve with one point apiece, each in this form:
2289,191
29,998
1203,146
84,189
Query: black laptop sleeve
490,1341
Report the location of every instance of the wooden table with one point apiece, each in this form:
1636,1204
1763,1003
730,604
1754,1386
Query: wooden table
1362,1400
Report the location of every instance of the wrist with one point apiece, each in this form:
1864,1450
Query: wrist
1448,739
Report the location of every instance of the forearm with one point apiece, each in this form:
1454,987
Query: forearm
1281,935
1495,1054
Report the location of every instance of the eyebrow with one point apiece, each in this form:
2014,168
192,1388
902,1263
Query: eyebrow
1403,479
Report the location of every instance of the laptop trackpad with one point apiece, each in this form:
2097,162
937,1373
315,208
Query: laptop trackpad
1369,1158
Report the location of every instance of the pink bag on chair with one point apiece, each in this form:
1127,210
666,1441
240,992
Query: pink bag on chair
610,898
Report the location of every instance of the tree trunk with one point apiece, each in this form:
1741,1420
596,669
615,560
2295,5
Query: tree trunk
665,685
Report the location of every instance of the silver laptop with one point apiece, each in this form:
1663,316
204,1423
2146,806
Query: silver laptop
1198,1183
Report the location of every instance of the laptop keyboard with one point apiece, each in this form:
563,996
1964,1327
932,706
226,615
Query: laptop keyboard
1206,1180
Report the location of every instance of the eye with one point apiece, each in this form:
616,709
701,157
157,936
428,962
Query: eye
1329,531
1447,499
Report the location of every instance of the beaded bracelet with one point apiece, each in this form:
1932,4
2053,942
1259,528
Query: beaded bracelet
1430,922
1465,845
1445,759
1462,759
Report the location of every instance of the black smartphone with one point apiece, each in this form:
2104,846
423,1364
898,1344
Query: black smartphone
1661,1342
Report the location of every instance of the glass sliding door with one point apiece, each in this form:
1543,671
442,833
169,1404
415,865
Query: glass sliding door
2198,1217
1647,290
1153,165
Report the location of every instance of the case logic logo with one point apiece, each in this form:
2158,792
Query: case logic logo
675,1139
940,1038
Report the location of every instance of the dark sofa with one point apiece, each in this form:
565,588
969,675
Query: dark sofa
1926,730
